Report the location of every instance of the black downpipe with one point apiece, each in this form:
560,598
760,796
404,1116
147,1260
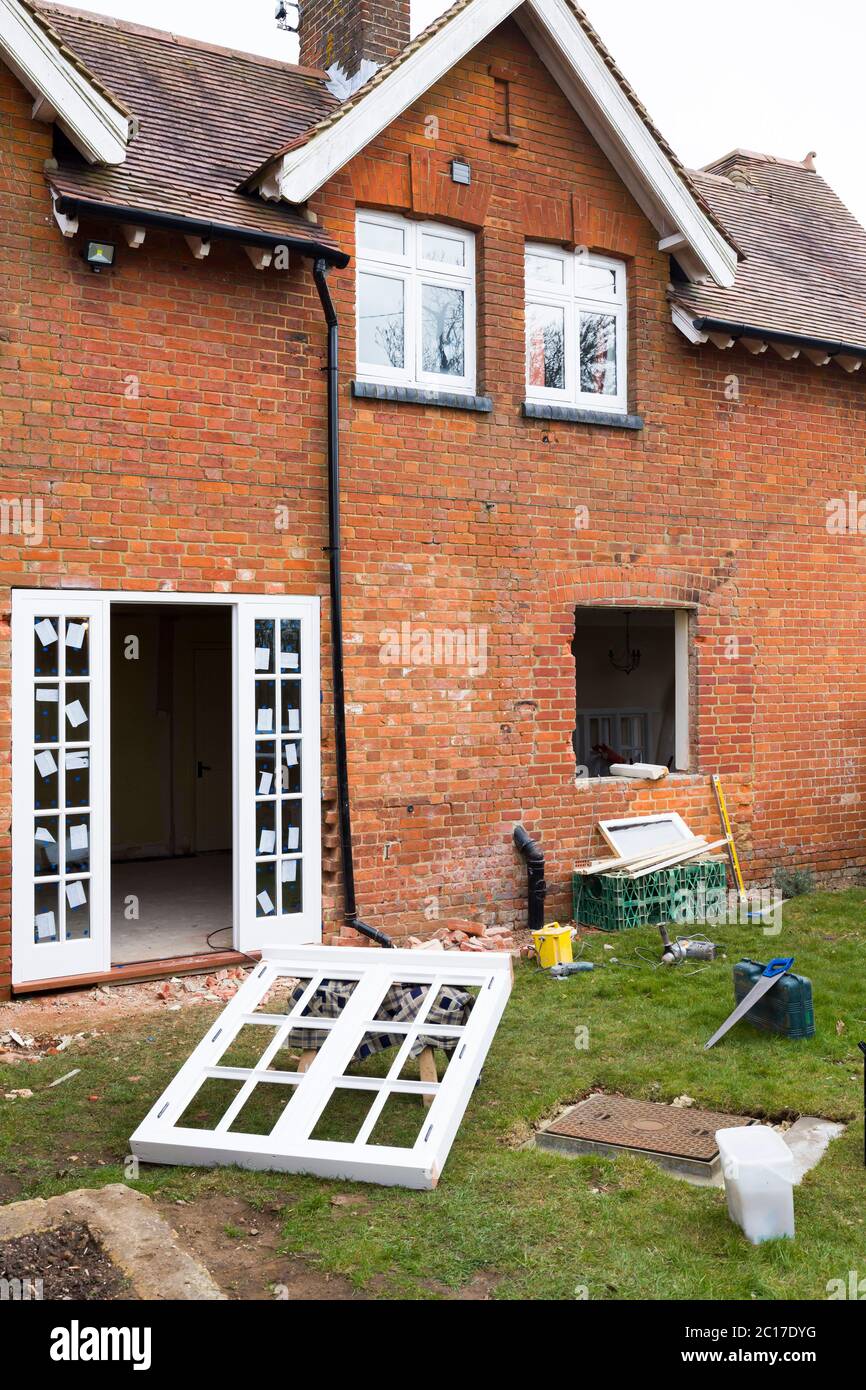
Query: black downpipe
537,888
350,909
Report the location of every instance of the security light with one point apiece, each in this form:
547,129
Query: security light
99,255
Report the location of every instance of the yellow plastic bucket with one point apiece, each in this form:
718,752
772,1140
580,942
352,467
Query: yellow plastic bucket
553,945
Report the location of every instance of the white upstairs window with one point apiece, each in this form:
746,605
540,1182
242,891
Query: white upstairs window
575,329
415,303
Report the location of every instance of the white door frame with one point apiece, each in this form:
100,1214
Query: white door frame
67,601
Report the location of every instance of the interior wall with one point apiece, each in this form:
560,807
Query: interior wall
652,686
153,726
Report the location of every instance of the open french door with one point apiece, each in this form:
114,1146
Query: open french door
278,798
60,828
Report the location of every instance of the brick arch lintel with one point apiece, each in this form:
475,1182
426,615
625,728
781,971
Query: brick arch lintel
615,586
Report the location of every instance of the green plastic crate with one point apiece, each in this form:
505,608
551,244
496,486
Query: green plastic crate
616,902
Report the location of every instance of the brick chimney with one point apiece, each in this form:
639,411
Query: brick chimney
351,38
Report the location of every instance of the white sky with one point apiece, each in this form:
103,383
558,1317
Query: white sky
780,76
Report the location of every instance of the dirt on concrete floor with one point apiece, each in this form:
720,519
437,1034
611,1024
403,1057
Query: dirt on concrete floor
69,1263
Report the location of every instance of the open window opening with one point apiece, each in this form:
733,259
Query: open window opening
171,781
631,688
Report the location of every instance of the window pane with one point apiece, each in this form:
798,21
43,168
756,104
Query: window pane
545,346
381,321
445,250
548,269
373,236
598,354
443,330
599,281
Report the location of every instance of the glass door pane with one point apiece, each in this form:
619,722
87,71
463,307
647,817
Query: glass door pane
278,673
59,753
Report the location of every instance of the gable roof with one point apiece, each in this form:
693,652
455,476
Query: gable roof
204,115
582,66
65,88
805,268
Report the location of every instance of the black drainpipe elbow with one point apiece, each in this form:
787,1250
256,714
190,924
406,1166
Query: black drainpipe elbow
537,888
344,807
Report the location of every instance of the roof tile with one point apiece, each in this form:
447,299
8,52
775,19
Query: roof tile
205,116
804,271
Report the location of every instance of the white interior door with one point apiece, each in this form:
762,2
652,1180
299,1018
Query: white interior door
60,825
278,806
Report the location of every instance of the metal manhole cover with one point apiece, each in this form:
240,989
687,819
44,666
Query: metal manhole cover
646,1125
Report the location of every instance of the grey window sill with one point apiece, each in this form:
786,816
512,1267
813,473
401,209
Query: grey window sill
414,395
537,410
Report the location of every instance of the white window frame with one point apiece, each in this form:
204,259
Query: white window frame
621,746
414,273
288,1148
573,302
34,963
610,830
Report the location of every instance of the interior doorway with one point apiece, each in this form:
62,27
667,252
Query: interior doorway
171,781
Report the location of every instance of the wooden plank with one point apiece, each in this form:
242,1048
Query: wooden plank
678,859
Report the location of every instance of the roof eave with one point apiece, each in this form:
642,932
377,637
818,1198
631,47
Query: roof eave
71,205
98,128
702,328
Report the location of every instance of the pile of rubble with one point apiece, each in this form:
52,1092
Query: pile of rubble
465,936
217,988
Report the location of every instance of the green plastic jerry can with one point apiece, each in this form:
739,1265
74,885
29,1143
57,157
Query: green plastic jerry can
785,1009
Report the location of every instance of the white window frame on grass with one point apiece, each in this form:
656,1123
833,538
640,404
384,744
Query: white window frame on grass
288,1148
563,293
415,274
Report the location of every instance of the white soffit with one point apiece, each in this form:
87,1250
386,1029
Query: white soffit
576,65
96,127
265,1090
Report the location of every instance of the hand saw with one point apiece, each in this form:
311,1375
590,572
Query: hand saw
772,972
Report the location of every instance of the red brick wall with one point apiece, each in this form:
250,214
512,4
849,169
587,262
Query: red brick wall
718,504
452,519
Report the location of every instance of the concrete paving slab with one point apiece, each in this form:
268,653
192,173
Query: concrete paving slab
132,1232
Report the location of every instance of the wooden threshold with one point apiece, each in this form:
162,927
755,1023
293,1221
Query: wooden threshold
142,970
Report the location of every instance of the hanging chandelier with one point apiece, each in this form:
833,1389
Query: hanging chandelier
629,659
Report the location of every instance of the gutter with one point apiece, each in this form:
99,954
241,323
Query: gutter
207,231
746,330
350,907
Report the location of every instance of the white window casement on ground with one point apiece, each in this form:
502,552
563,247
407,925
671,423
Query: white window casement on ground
169,742
576,312
307,1073
415,304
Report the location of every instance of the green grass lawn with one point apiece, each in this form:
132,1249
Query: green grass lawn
538,1226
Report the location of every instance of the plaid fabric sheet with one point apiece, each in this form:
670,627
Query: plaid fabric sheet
401,1004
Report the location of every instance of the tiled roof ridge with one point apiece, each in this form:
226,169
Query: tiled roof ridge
756,157
37,12
43,8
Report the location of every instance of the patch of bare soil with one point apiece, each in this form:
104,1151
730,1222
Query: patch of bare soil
10,1188
240,1247
70,1263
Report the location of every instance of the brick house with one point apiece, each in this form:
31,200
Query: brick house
599,431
